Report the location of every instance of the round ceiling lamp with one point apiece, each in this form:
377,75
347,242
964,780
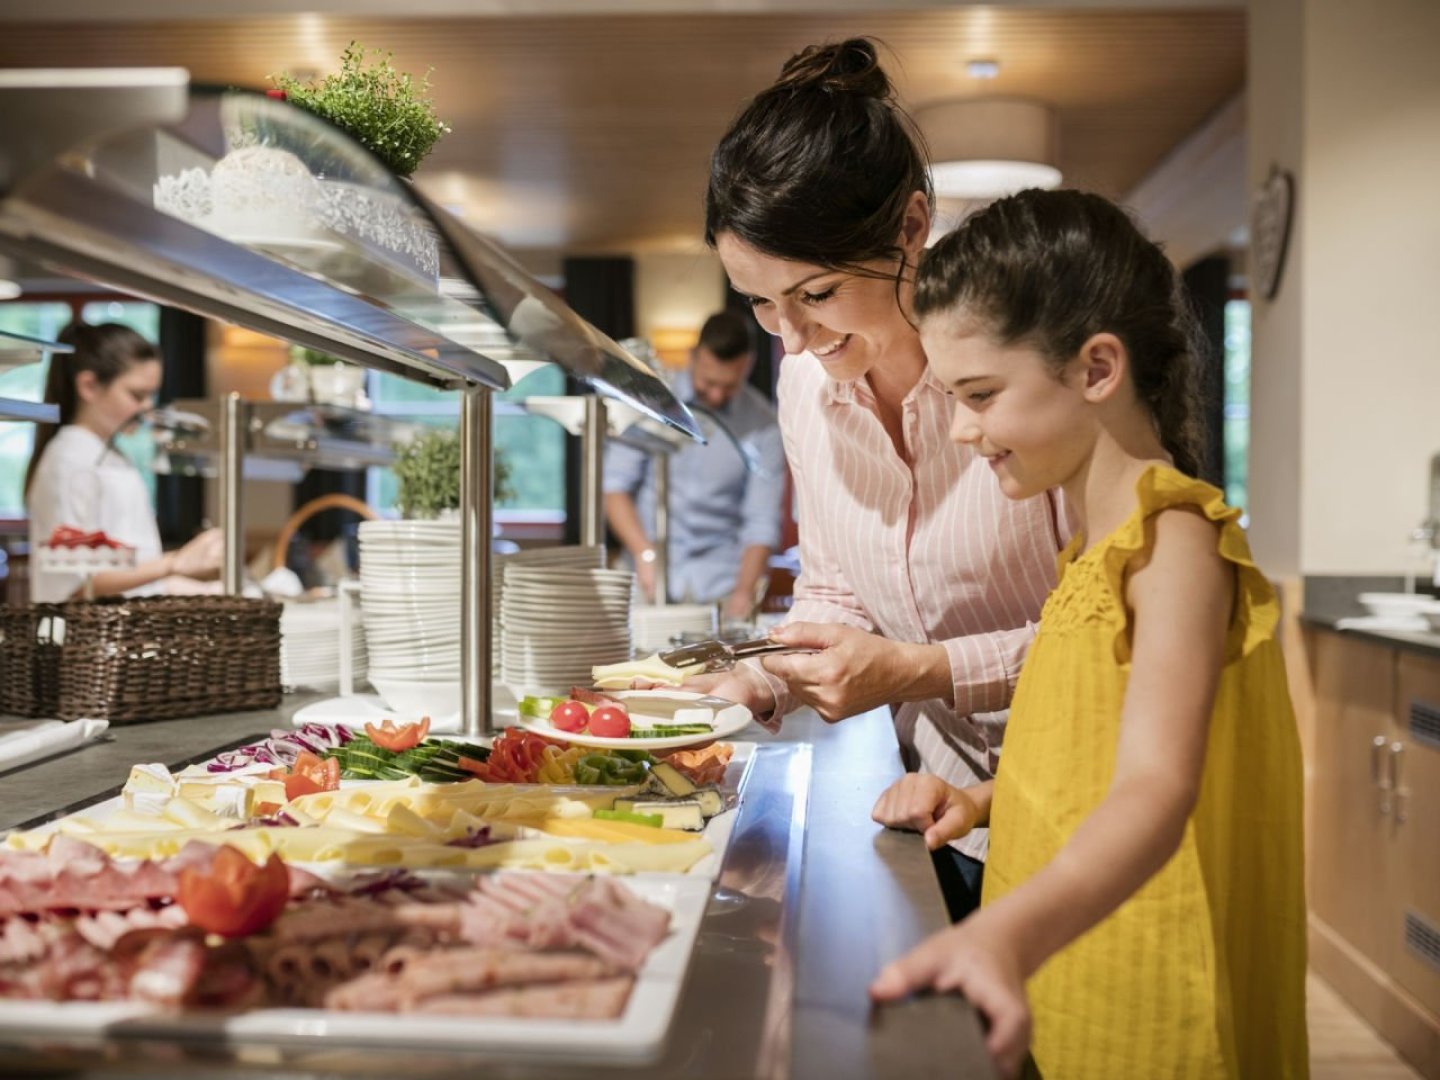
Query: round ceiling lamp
983,148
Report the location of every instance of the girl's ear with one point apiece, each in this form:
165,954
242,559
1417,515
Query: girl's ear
915,225
1104,365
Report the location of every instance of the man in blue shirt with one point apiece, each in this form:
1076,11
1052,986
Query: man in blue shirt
724,512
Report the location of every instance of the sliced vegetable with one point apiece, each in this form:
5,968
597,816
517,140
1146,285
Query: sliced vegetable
609,722
234,897
397,739
634,818
570,716
539,707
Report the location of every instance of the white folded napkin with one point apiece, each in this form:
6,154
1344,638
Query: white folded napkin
24,741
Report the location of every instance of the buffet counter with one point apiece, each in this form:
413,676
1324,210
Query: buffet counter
812,899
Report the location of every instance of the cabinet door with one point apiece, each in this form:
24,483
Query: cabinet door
1349,813
1415,876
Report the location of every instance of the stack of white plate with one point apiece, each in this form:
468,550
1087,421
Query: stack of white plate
410,597
657,627
564,557
558,623
310,645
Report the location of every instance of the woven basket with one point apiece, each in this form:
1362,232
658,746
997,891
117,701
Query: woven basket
128,660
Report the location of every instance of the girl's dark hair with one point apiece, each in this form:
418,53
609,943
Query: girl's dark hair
819,167
108,351
1052,268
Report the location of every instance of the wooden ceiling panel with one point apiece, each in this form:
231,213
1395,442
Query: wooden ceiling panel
593,133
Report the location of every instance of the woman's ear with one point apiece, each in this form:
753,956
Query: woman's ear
915,226
1104,365
86,386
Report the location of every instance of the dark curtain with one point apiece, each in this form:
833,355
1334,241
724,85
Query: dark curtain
602,292
180,500
1208,283
767,360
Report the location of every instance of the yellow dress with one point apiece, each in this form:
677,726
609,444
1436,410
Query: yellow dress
1202,972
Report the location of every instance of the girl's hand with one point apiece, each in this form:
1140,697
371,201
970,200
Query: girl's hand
927,805
853,672
976,961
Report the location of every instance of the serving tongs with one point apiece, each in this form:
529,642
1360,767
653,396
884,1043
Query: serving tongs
722,656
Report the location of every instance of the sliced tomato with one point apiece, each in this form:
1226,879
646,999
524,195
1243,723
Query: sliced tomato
610,722
569,716
310,774
405,737
234,897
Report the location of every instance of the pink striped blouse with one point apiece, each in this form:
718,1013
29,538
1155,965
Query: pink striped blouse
928,550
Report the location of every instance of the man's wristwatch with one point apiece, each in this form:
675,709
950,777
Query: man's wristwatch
648,555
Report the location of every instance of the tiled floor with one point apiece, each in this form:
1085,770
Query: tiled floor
1344,1047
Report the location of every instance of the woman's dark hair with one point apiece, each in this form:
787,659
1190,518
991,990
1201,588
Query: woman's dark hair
820,167
1052,268
108,351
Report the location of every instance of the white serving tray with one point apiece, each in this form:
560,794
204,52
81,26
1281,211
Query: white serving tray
636,1037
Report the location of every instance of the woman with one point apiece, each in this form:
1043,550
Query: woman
77,479
920,582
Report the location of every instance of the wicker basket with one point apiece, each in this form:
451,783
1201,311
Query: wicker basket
129,660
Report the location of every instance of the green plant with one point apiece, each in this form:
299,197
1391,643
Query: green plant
299,354
427,471
385,110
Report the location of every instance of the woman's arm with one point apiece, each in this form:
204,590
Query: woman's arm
115,582
1181,604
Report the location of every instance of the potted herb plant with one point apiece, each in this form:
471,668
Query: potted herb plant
427,471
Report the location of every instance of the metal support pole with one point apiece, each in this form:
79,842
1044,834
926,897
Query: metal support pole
477,501
592,473
233,419
661,464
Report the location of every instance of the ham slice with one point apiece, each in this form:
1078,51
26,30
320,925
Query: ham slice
600,999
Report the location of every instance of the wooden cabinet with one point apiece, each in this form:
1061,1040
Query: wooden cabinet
1373,840
1352,830
1415,758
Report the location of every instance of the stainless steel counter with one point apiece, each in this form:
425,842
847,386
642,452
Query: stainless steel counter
813,898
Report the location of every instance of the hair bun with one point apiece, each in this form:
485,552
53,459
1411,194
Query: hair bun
846,67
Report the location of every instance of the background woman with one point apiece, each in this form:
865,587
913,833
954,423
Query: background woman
920,581
77,478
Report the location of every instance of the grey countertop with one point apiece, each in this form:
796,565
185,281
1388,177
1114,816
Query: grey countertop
812,900
1329,599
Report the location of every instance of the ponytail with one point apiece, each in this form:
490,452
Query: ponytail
107,351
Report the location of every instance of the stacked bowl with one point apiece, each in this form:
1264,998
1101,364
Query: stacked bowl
410,599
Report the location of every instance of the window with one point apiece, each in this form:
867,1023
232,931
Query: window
26,383
533,447
1237,403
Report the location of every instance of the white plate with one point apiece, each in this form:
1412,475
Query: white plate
638,1035
647,707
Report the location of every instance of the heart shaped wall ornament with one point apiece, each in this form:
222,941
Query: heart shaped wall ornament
1270,229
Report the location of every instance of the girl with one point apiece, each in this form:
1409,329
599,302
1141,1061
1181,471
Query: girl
1145,872
75,478
920,581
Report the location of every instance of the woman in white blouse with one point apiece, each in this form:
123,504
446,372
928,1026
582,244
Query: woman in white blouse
920,582
77,478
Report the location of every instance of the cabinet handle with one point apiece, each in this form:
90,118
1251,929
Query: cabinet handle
1378,745
1397,752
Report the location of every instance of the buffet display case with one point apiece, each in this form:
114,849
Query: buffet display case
17,350
246,209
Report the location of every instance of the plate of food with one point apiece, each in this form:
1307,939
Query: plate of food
633,719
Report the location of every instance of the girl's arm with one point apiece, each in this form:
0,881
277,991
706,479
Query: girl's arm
1181,603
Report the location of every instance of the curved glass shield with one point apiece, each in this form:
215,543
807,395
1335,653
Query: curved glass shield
254,211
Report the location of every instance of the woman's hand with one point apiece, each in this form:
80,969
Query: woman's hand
854,672
739,685
930,806
201,557
975,959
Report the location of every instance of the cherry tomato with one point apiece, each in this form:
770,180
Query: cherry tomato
405,737
570,716
610,722
234,897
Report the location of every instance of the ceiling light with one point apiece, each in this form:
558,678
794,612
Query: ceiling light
9,290
988,147
982,69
